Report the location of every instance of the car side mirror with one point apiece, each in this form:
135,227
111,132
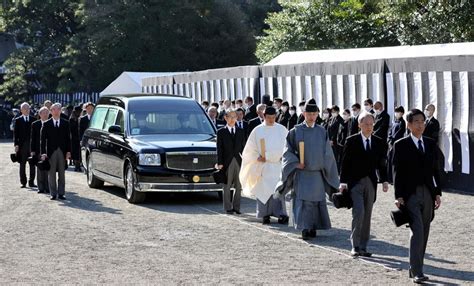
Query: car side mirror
115,129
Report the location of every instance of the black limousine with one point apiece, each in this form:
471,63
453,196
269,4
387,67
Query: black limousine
150,143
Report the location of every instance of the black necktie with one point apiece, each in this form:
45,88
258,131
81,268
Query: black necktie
57,124
367,145
26,119
420,146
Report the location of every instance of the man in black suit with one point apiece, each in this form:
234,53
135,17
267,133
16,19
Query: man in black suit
382,121
354,121
364,157
42,175
230,145
240,123
251,111
333,129
277,103
301,116
225,105
417,186
431,124
369,106
85,120
56,147
21,134
212,112
258,120
284,116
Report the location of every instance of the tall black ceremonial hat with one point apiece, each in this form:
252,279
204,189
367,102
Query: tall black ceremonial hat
311,106
400,216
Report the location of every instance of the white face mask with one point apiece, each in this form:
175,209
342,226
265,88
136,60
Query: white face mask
398,115
292,112
325,115
355,113
284,108
334,114
345,117
428,113
275,106
367,108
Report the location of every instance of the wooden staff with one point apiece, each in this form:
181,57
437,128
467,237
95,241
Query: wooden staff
262,147
301,145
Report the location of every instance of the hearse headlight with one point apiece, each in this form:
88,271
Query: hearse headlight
149,159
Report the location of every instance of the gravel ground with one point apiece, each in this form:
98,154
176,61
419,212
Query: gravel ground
97,237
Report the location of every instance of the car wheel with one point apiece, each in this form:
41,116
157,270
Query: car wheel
92,180
132,195
220,195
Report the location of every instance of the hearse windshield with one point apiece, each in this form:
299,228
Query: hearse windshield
183,117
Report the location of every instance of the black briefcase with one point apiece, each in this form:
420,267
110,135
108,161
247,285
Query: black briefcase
44,165
400,216
342,200
14,157
33,160
220,177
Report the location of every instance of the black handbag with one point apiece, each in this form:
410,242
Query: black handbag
14,157
44,165
342,200
400,216
220,177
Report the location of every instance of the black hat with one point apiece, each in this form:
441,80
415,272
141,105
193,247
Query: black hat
270,110
400,216
14,157
311,106
44,165
77,108
342,200
266,100
33,160
220,177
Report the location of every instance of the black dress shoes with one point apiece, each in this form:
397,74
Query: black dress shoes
23,186
61,197
230,212
237,212
32,185
305,234
418,279
40,192
364,253
283,219
53,198
312,233
355,252
266,220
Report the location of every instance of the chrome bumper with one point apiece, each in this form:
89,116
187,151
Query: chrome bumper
178,187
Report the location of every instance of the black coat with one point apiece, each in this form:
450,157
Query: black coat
245,126
22,132
252,124
382,123
251,113
218,123
229,147
432,129
53,138
357,163
284,118
36,137
353,126
342,133
75,139
301,119
333,128
397,131
412,168
292,122
83,125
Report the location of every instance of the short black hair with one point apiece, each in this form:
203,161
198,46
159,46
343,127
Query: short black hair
249,98
215,104
285,103
369,101
292,107
335,108
356,105
239,101
347,111
303,103
205,102
400,109
277,99
414,112
239,109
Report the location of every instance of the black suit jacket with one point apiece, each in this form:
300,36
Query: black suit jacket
397,131
301,119
292,122
432,129
284,118
22,131
219,123
382,122
357,163
244,127
333,128
353,126
251,113
229,147
252,124
83,125
36,137
53,138
412,168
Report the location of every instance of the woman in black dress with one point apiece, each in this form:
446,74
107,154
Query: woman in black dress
75,141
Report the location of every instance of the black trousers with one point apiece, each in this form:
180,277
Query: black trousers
24,153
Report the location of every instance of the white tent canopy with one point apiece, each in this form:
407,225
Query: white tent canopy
131,82
345,55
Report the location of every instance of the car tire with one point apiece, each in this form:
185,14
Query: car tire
220,195
133,196
92,180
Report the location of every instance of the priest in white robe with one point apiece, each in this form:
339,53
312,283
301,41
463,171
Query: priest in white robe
261,165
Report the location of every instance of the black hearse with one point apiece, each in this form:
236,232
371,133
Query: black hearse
150,143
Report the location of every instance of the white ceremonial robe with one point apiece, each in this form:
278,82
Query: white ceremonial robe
260,179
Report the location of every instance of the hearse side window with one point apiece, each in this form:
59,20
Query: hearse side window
120,120
98,117
110,118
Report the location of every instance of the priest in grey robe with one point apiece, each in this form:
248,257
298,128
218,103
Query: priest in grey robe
310,181
261,165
